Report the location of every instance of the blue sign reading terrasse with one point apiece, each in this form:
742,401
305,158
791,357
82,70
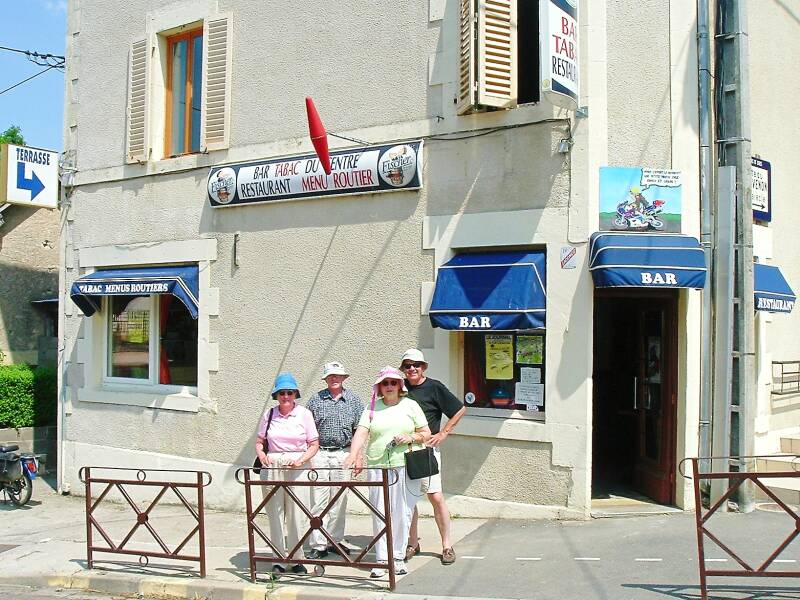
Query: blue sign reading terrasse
368,170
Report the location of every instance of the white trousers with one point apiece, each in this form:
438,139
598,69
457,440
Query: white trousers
282,510
321,495
403,497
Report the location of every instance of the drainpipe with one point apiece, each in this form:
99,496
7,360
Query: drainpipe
706,224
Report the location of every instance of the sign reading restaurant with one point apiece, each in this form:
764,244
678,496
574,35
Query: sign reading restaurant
366,170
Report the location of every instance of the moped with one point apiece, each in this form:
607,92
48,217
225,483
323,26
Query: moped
17,472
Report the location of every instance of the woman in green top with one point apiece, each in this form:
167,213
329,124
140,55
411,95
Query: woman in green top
390,424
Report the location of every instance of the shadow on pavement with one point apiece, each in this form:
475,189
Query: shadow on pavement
719,592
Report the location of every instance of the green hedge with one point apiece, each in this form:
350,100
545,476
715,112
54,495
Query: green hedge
28,396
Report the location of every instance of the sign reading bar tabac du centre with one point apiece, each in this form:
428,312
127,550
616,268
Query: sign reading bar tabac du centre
361,171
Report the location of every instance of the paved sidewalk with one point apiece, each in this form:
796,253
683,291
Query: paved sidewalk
650,557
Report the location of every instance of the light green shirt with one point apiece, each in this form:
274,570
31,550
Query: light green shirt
388,421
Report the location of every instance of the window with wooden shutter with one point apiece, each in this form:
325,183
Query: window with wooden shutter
137,143
488,55
216,82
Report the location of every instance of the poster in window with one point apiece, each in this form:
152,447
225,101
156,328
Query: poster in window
654,359
530,349
499,357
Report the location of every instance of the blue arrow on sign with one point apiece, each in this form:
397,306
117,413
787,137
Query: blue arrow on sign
34,184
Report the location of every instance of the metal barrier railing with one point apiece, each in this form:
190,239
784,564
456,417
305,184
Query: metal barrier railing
735,481
143,515
785,377
315,522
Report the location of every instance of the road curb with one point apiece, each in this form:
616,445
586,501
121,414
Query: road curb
165,587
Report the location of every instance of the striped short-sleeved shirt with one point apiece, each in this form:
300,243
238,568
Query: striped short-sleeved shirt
336,420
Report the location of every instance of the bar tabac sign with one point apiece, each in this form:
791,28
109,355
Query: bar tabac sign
366,170
560,65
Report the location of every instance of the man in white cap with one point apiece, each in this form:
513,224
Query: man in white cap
435,400
336,413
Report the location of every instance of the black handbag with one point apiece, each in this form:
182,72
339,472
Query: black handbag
421,463
257,462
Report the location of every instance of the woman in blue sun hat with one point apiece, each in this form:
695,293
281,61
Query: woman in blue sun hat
288,434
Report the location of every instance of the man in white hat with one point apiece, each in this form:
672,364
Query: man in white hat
336,413
435,400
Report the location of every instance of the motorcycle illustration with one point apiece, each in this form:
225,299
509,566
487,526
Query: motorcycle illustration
17,472
630,217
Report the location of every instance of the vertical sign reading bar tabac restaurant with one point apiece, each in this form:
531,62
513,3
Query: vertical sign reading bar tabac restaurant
560,66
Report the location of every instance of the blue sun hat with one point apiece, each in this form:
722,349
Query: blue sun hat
285,381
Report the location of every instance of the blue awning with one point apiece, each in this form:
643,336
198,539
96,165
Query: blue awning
491,291
651,260
181,282
772,292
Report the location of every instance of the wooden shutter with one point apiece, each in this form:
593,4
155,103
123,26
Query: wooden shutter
137,143
497,53
488,55
466,58
215,111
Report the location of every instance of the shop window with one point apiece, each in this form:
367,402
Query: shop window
151,340
505,370
498,54
184,92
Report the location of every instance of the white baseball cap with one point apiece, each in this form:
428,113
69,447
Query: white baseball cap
334,368
413,355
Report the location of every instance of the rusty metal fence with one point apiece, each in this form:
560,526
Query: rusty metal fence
735,479
190,480
259,491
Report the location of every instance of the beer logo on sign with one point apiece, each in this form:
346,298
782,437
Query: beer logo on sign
398,165
222,186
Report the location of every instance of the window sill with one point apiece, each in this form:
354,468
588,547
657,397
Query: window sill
502,424
154,397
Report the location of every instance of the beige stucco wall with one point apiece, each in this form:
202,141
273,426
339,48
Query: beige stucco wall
349,278
774,43
28,271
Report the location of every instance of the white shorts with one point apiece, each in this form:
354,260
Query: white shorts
433,484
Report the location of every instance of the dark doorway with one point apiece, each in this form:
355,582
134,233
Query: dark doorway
634,392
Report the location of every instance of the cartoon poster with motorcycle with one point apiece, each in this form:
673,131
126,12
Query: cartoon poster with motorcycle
640,199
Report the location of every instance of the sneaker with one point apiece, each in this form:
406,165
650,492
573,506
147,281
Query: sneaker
299,569
317,554
277,571
400,567
448,556
411,551
377,573
333,549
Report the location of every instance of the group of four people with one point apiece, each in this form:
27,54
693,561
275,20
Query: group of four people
335,433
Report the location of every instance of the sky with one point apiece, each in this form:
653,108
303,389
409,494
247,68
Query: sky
38,105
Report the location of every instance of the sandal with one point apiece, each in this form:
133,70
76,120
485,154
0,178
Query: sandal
411,551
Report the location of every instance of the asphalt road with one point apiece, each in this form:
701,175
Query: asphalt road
648,558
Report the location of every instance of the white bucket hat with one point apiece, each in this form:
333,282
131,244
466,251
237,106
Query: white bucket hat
413,355
334,368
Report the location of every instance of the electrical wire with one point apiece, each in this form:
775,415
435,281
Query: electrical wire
8,89
43,60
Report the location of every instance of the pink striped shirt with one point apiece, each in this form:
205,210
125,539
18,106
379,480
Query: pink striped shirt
289,433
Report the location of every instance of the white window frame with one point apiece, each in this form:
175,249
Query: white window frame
154,351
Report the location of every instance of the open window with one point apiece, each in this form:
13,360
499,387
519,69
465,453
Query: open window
498,54
150,340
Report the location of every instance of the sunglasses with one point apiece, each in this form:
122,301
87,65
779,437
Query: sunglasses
286,393
390,382
407,366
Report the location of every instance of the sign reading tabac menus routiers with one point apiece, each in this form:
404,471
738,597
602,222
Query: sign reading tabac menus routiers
358,171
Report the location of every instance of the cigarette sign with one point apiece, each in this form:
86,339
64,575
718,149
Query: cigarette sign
568,254
28,176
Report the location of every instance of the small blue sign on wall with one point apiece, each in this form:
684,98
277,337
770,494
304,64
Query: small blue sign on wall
762,189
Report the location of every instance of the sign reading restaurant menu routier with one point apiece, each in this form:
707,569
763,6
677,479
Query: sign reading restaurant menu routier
359,171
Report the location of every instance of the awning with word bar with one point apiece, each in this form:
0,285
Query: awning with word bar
491,291
651,260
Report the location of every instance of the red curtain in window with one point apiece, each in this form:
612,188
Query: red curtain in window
163,313
475,369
